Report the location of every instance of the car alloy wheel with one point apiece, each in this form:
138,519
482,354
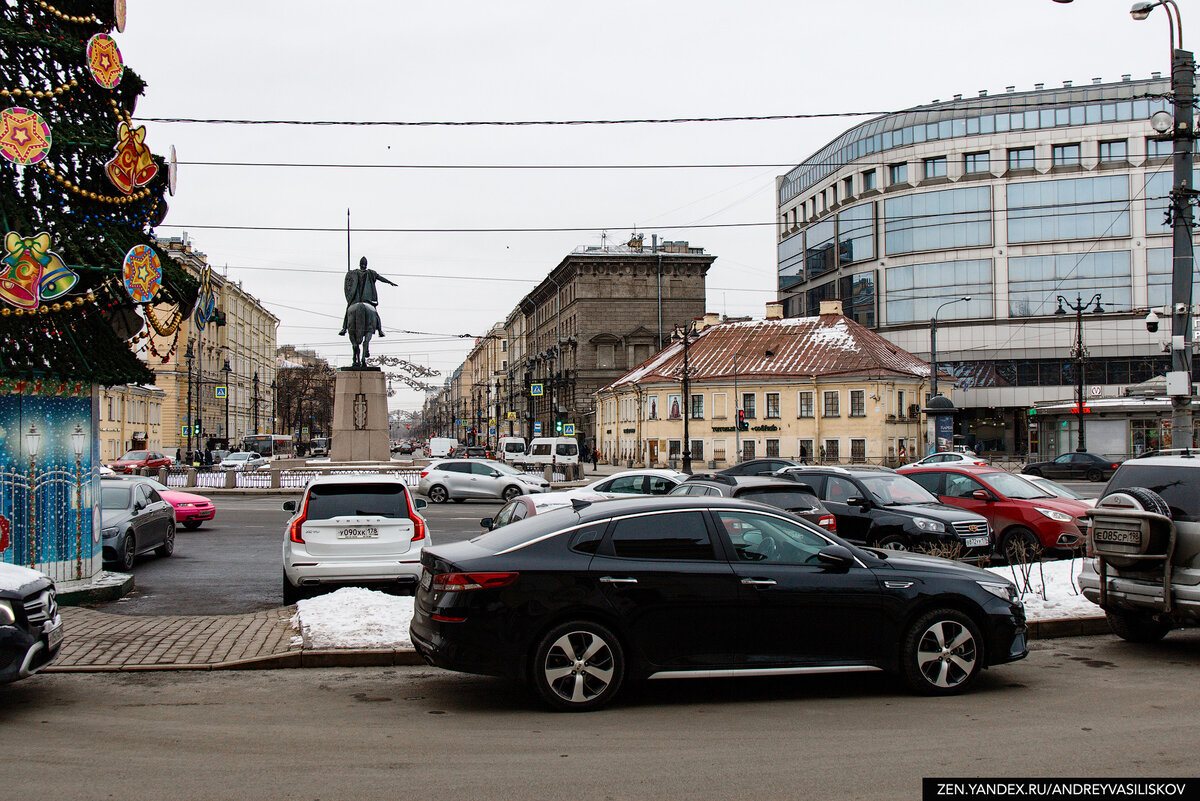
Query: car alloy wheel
438,494
1094,475
168,544
894,542
578,666
942,653
128,551
511,492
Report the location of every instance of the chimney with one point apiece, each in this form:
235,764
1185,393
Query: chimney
710,319
775,310
831,307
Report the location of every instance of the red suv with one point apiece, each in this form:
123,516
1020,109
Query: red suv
1024,516
132,461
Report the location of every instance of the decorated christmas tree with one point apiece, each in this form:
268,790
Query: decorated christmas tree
80,192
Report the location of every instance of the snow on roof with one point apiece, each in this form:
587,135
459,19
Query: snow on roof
793,347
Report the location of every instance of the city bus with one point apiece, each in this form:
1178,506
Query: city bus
269,445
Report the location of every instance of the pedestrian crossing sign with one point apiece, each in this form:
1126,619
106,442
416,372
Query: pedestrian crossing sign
535,390
221,392
568,429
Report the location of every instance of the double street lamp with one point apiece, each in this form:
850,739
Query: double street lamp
1080,354
933,341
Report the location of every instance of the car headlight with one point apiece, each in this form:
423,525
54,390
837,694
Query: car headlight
1001,589
111,531
1054,514
7,618
925,524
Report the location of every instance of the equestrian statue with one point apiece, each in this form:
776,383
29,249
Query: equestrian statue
362,318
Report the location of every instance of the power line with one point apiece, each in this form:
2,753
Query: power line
513,123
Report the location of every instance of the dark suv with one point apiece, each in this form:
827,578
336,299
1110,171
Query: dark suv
882,508
783,493
30,627
760,467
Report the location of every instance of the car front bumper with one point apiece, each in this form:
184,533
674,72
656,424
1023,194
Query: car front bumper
22,654
186,515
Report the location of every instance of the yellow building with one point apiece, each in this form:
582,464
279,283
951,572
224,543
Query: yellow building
822,388
130,419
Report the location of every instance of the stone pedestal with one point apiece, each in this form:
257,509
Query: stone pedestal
360,417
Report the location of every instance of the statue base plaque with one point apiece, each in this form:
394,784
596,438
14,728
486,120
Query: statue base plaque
360,417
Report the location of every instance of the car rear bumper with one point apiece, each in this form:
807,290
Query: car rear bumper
305,570
188,515
1142,594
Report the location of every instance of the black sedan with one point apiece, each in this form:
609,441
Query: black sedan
578,600
134,519
1075,465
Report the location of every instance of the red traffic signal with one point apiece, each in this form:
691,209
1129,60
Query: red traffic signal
741,420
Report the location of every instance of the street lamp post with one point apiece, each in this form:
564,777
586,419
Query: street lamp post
274,408
188,355
933,341
227,370
686,332
1080,354
77,438
255,383
31,445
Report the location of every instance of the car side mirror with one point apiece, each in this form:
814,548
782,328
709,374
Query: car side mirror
289,506
863,502
836,557
420,503
981,495
138,506
486,523
494,474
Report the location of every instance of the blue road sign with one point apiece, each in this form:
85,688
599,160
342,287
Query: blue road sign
537,429
535,390
568,429
220,392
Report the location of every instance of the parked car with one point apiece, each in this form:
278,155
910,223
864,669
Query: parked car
551,450
682,587
31,630
1145,536
511,449
242,460
132,461
1054,488
1025,518
760,467
190,510
879,507
134,519
524,506
459,479
783,493
649,481
949,457
440,447
363,530
1074,465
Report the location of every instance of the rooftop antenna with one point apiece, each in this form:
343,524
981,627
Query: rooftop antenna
604,240
347,240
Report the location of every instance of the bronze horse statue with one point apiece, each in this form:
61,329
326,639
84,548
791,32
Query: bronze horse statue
362,319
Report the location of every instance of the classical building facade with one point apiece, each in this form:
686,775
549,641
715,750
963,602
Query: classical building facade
1012,200
130,418
823,388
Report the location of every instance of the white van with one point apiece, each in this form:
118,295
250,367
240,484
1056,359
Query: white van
440,447
552,450
511,449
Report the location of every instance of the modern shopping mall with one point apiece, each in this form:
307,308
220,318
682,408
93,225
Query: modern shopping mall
1012,199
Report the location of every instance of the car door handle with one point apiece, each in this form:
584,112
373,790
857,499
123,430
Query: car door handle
614,580
759,582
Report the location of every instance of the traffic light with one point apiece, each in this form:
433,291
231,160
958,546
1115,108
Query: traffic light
742,425
558,426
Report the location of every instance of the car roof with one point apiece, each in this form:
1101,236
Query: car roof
744,481
962,467
358,478
838,470
1173,460
647,471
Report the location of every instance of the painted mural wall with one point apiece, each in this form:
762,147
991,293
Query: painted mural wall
50,480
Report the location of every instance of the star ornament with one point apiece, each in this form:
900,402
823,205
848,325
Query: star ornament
142,272
24,136
104,60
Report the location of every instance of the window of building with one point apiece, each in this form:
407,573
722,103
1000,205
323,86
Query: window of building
790,258
858,403
1158,200
819,243
718,450
772,405
1157,149
833,196
747,450
898,173
814,296
1116,150
856,234
832,403
748,404
914,291
935,167
1065,155
772,448
948,218
698,449
677,535
804,451
1158,279
805,404
674,449
868,180
1074,208
977,162
697,407
719,405
858,297
858,450
829,451
1020,158
1035,281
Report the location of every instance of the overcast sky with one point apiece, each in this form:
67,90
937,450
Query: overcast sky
365,60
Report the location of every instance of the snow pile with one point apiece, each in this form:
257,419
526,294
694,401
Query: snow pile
834,336
354,618
1063,598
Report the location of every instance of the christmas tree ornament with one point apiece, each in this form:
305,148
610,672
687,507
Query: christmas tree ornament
104,60
119,14
24,136
142,272
158,213
30,269
206,300
133,166
172,172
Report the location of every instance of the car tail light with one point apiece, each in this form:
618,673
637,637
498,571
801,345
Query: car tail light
460,582
418,521
424,473
294,530
1115,465
828,522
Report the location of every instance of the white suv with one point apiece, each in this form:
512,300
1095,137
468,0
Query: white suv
353,530
459,479
1145,543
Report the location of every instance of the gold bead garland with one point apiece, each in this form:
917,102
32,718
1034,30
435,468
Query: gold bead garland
67,17
163,330
65,305
18,92
72,187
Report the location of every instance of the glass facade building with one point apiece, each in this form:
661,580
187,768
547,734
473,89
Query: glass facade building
1013,200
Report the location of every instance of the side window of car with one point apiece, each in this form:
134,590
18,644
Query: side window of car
660,485
153,495
675,535
454,467
840,490
504,516
627,484
588,538
959,486
930,481
762,538
482,469
1066,457
520,510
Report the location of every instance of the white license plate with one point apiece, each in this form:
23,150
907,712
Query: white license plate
426,579
1117,535
370,532
54,636
977,542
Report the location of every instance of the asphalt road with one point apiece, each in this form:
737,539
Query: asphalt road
1087,707
234,563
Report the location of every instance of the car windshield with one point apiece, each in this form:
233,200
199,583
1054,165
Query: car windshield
893,490
503,469
155,484
1058,489
135,456
114,497
337,500
1176,485
1012,486
237,457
